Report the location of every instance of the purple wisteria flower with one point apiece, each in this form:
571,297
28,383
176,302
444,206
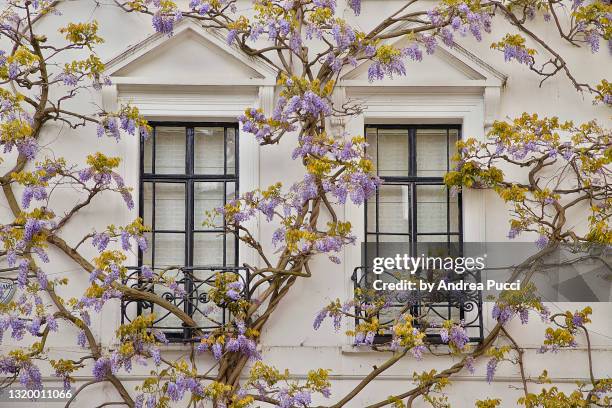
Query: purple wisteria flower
542,241
469,364
417,351
217,351
502,314
319,318
38,193
577,320
51,323
100,241
82,338
355,5
378,70
513,233
458,337
520,54
444,335
164,23
524,316
491,366
592,38
27,147
30,377
234,290
102,368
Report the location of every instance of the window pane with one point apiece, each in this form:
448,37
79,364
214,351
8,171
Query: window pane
371,209
393,152
148,155
147,200
454,213
170,148
207,197
207,248
170,206
453,138
169,250
147,256
231,150
208,157
372,147
394,208
438,238
394,238
230,251
431,153
431,208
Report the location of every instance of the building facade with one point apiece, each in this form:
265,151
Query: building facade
192,86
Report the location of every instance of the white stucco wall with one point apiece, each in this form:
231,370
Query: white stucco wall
192,79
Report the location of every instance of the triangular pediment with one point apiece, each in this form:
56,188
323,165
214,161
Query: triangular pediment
446,65
192,55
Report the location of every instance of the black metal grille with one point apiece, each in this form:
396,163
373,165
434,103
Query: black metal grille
435,307
197,282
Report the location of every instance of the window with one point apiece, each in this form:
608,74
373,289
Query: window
187,170
412,206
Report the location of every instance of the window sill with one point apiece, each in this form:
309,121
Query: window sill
351,349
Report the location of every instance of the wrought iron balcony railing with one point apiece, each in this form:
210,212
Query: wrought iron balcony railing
196,283
435,306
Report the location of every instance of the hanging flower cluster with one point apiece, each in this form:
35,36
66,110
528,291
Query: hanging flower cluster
455,336
565,335
15,124
513,47
236,338
497,355
270,382
519,302
127,119
533,142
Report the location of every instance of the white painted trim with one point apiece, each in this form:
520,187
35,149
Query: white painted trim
196,104
397,105
134,80
406,82
213,36
456,56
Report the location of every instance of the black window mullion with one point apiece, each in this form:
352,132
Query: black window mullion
377,195
141,189
225,151
224,223
154,187
153,151
448,213
412,152
189,198
189,212
460,209
236,184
